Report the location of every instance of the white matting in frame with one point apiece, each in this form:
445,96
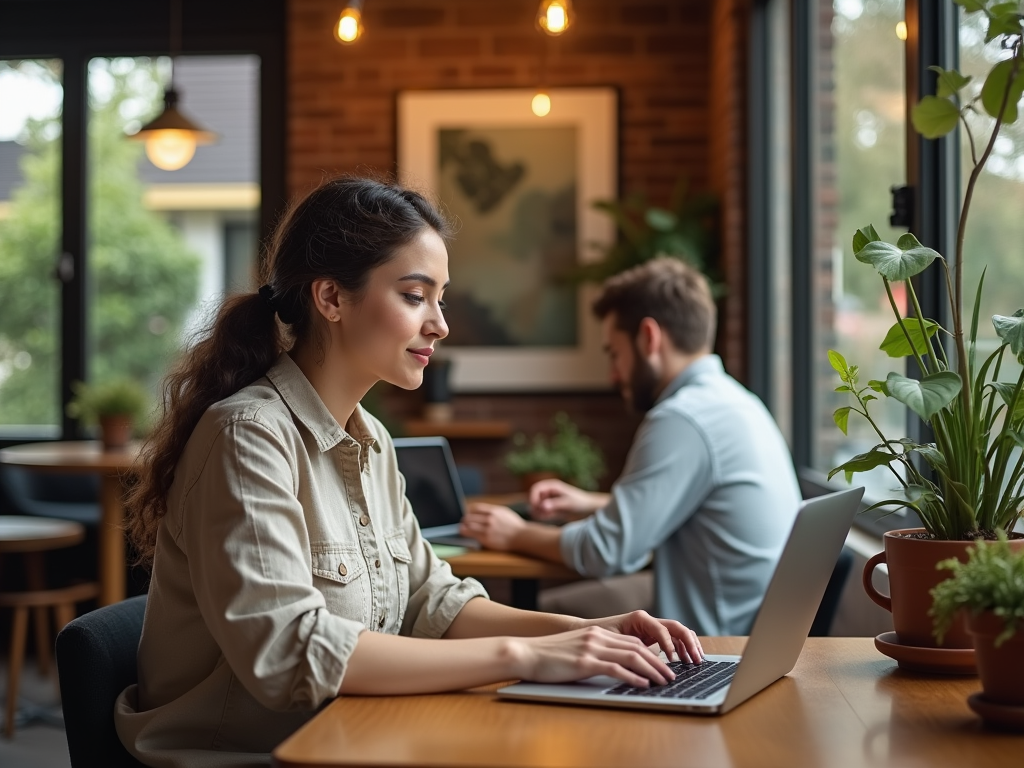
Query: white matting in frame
503,169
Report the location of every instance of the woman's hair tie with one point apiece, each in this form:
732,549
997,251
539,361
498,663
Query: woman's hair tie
267,293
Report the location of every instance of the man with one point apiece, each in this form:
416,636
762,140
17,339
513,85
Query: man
708,486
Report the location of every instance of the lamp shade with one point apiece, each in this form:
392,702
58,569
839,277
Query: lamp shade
171,137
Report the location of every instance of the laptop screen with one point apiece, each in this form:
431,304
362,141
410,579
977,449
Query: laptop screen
429,481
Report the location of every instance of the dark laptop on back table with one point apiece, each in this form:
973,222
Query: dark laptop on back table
433,488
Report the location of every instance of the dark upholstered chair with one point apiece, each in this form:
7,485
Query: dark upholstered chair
833,592
96,656
60,496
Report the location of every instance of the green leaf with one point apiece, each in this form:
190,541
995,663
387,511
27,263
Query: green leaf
1004,19
895,263
950,81
842,417
995,87
838,363
864,462
1006,390
895,343
863,236
971,6
1011,331
933,456
879,386
934,117
842,388
927,396
660,219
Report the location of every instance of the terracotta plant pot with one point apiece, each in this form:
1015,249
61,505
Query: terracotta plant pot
1001,669
529,478
115,431
912,575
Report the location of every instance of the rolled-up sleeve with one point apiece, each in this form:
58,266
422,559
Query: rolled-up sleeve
668,473
436,595
249,565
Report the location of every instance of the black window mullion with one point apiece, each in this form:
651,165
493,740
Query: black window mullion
933,167
804,144
70,267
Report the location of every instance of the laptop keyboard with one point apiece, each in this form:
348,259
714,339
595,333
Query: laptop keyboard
693,681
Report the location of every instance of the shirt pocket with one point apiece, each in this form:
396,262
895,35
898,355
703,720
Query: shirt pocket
339,572
398,548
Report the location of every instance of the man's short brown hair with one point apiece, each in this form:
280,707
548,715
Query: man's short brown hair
672,293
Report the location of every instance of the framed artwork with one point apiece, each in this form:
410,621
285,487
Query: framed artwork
519,188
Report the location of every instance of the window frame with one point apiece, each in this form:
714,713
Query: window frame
933,172
76,32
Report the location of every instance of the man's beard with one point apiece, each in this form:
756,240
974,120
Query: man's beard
643,385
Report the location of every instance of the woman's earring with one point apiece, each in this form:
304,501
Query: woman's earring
335,318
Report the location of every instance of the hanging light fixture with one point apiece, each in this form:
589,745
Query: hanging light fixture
171,137
554,16
349,27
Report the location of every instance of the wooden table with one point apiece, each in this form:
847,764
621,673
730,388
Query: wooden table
111,466
844,706
522,570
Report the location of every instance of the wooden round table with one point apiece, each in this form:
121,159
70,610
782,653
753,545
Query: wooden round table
89,456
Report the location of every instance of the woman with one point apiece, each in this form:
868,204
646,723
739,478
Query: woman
288,567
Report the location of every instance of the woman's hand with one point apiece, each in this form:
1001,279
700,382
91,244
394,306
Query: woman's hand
586,652
670,636
492,525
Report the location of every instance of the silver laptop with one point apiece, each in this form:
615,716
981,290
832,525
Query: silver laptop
723,682
433,488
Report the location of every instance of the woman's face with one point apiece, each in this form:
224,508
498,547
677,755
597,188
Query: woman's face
390,332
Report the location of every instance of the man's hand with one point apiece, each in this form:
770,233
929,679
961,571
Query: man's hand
556,500
492,525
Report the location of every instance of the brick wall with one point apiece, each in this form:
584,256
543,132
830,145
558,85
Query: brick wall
680,115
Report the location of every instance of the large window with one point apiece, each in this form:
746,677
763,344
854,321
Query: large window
995,235
861,154
30,172
165,246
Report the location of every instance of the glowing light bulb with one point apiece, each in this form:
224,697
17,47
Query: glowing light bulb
541,104
350,25
170,149
554,16
901,30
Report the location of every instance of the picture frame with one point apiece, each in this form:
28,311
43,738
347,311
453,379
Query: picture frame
520,188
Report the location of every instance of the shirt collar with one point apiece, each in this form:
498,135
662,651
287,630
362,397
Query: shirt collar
305,404
708,364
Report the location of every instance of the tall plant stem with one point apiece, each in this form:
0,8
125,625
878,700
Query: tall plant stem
958,279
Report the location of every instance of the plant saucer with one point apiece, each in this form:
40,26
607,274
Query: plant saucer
1002,716
936,661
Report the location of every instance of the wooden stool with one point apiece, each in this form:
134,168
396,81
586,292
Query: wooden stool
32,536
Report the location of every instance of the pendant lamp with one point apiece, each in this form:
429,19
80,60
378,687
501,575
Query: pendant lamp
171,137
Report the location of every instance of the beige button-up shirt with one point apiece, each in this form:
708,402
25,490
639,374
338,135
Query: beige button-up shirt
285,537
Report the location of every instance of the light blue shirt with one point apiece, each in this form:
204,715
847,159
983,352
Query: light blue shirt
709,488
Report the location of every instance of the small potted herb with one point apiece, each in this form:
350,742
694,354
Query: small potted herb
116,406
568,455
988,591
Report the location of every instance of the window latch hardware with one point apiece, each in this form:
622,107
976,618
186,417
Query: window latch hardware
902,207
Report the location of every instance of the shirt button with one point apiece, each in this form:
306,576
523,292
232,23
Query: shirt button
343,570
380,624
364,520
376,563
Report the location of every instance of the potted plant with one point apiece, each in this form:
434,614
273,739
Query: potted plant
568,455
969,482
116,405
685,230
988,591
